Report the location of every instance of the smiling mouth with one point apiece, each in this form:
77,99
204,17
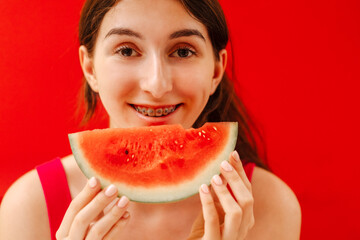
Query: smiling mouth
155,111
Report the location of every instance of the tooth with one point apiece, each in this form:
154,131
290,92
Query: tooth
143,111
159,112
151,112
165,111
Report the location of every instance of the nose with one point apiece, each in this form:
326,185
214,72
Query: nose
156,78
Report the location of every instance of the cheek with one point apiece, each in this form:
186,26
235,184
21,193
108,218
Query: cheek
115,80
193,81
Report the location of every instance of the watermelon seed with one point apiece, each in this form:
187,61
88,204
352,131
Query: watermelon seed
181,146
203,131
176,142
199,133
204,136
132,156
215,128
127,160
208,139
126,151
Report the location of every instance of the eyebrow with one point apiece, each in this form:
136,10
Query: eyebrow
124,31
187,33
177,34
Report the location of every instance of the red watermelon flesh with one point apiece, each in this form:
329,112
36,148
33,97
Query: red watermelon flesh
157,163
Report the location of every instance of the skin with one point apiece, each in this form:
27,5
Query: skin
155,73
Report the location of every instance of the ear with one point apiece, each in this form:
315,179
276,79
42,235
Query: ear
88,68
219,69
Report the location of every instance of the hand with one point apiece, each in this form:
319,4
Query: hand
224,215
94,214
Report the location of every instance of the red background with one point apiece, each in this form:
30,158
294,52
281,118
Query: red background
297,64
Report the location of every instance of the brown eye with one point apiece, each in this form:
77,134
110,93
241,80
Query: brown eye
183,52
126,51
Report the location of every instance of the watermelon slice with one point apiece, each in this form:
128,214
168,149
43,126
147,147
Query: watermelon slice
157,163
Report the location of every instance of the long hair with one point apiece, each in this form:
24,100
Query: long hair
223,106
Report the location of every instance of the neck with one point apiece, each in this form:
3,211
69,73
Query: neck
149,208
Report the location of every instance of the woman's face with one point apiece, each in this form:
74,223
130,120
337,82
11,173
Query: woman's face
153,64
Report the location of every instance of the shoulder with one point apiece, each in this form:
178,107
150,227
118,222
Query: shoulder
23,209
276,208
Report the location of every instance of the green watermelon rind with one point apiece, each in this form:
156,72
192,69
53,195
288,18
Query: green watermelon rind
163,194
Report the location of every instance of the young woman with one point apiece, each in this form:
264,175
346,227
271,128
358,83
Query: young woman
166,56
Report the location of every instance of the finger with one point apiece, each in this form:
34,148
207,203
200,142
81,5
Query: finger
242,194
82,199
211,218
233,212
86,215
237,164
116,230
103,226
236,183
218,206
111,205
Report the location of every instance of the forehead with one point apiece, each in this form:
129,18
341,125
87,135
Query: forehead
157,17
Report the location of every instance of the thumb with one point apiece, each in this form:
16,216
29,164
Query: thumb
197,229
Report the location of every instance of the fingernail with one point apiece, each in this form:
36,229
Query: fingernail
236,156
126,215
111,190
123,201
217,180
226,166
92,182
205,188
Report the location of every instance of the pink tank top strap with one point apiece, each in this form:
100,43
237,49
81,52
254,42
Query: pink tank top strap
56,191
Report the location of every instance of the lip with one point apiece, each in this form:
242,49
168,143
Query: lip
156,120
155,106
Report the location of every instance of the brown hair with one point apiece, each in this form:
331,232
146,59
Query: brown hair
223,106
